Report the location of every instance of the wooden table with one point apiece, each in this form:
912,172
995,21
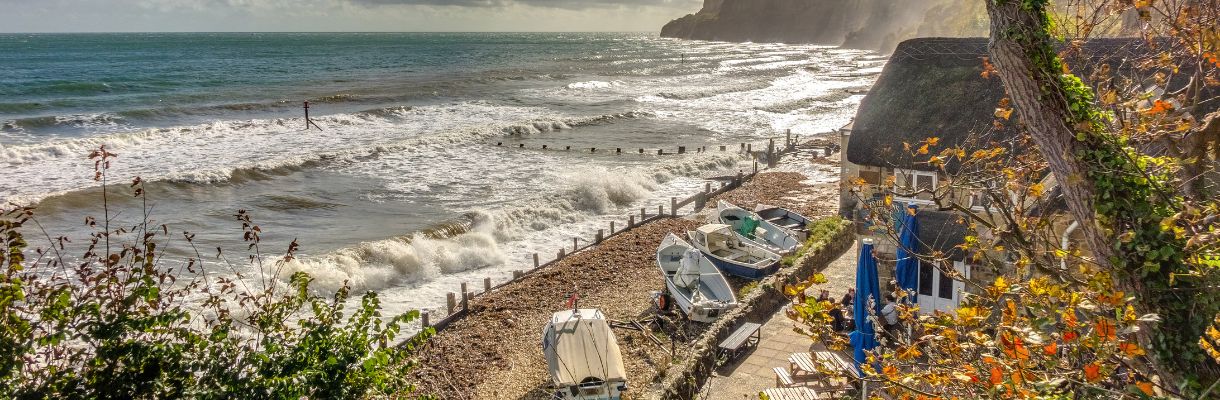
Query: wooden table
794,393
802,362
749,334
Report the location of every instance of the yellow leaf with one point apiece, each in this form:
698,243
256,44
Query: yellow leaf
1036,190
889,201
1004,113
819,278
923,149
932,141
1146,387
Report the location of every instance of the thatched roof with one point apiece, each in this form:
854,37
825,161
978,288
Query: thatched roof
941,231
932,87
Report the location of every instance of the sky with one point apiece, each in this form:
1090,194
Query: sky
339,15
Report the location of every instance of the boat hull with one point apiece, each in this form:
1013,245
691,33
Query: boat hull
743,271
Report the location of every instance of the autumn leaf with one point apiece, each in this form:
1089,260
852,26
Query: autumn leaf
1092,372
1005,113
1131,349
1145,387
997,376
1106,330
923,149
908,353
819,278
1051,348
890,372
932,141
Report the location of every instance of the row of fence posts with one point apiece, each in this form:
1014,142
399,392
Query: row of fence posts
460,301
454,304
745,147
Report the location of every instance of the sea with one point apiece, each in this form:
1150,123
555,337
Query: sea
425,169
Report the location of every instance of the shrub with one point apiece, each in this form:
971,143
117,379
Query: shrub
119,323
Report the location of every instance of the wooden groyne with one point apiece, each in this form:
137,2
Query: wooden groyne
457,304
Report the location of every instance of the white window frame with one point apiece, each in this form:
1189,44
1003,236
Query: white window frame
914,174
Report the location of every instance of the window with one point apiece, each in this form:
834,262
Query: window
980,200
946,287
926,272
907,180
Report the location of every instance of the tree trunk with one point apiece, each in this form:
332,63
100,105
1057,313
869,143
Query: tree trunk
1043,106
1046,115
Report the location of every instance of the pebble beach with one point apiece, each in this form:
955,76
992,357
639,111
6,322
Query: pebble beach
495,351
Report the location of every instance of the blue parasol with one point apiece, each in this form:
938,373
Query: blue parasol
907,272
867,289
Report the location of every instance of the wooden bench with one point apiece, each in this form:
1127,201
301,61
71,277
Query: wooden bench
791,393
783,378
749,334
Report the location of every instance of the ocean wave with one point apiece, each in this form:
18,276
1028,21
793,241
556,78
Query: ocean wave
476,240
593,85
239,151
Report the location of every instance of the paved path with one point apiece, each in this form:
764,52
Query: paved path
747,376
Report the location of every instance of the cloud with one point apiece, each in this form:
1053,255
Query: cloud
561,4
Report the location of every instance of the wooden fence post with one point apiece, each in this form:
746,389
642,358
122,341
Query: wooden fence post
631,221
450,302
611,228
643,215
681,149
660,152
486,285
423,316
536,261
673,206
518,274
721,147
700,200
600,233
575,245
464,291
561,255
788,140
466,301
660,211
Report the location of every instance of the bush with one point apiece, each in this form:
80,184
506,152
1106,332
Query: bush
821,232
118,323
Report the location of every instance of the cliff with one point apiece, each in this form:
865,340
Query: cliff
869,24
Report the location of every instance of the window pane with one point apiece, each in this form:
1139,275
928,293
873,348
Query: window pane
925,279
924,182
946,286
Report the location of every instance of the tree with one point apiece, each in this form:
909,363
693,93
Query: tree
1123,161
122,321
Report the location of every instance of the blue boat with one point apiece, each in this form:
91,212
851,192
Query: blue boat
733,254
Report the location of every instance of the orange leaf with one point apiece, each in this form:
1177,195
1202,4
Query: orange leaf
1092,372
1051,348
1145,387
1070,336
1130,349
1106,330
997,376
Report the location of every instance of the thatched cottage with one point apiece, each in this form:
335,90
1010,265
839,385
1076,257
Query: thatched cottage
931,87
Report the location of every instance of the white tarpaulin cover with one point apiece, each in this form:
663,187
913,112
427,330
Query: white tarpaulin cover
579,344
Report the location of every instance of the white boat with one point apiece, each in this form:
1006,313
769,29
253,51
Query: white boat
693,281
784,218
732,253
756,229
583,357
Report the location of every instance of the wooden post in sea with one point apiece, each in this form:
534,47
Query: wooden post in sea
643,216
600,233
750,148
756,166
618,150
544,147
611,228
771,154
561,255
660,152
660,211
743,147
464,290
486,285
450,303
700,200
788,140
536,261
681,149
721,147
423,317
641,151
673,206
575,245
466,301
630,221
